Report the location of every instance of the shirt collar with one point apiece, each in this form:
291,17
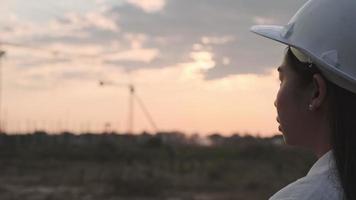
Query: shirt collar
324,163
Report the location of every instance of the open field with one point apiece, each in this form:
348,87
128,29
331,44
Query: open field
164,166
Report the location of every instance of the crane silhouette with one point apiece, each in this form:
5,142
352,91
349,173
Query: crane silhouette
132,98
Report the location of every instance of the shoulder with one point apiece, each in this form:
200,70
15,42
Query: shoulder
318,186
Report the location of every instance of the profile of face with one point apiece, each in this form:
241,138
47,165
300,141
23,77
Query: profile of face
291,104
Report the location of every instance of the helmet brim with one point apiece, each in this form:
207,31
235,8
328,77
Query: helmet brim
272,32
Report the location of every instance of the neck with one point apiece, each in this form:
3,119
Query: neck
321,143
321,151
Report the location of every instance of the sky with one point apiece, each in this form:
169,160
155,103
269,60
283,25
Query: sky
194,64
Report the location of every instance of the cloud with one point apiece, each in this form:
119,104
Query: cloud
136,54
221,27
91,19
140,35
263,20
217,40
70,25
201,62
148,5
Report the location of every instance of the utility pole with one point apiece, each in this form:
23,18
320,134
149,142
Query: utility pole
2,54
131,109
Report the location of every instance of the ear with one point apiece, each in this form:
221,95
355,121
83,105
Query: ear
319,91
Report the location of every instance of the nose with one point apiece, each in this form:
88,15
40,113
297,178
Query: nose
275,103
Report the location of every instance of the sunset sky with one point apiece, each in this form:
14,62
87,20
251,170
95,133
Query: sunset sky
195,64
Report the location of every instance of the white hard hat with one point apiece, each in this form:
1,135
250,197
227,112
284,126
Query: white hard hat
325,31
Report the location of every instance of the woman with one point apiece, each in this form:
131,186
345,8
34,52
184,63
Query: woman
316,102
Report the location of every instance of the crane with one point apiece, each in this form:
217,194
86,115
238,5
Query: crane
132,98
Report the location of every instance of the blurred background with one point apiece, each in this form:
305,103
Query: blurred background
142,99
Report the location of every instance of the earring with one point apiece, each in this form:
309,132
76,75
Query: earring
310,108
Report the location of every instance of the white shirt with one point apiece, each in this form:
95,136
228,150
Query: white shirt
321,183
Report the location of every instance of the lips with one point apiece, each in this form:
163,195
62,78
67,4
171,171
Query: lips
279,127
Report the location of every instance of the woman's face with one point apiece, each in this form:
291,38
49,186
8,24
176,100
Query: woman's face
292,107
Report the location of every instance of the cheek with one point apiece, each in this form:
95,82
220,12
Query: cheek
282,99
290,114
287,108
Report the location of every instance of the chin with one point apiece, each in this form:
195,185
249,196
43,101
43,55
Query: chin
291,141
288,142
287,139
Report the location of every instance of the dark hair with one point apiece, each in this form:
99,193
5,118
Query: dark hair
342,121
